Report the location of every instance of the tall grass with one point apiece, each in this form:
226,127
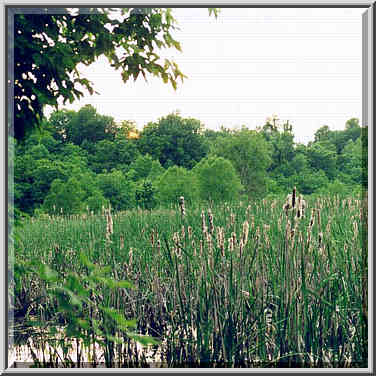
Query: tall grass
232,285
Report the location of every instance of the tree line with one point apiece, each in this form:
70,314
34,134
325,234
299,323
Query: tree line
81,161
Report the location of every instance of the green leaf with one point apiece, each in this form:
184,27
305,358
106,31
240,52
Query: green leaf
119,318
47,274
115,339
84,259
144,340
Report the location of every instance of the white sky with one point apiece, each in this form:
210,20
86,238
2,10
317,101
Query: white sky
304,65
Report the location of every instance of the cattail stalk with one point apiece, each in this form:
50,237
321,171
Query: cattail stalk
182,206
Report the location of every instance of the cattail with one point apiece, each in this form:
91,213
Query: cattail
189,232
293,197
231,244
299,213
327,230
318,218
130,255
158,246
203,222
175,238
201,248
182,207
355,227
241,245
245,232
183,232
210,243
233,235
312,220
121,241
218,236
222,244
211,225
320,239
257,235
152,238
109,227
232,218
288,229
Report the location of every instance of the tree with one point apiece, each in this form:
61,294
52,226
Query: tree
322,156
50,43
174,140
141,166
351,162
117,189
308,181
66,197
145,193
249,153
281,140
217,180
84,125
107,155
322,134
175,182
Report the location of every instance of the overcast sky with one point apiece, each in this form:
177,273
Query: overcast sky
304,65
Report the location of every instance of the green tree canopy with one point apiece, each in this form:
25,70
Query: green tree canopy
50,43
249,153
84,125
217,180
66,197
175,182
174,140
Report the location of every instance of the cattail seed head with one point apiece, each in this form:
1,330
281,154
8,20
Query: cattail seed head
203,222
130,255
109,226
176,238
233,235
232,218
245,232
241,245
211,225
158,246
182,207
294,197
231,244
152,238
320,238
318,218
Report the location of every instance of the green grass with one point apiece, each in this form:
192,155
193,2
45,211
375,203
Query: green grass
283,301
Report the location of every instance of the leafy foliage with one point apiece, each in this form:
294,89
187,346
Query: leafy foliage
173,140
112,169
217,180
49,46
250,155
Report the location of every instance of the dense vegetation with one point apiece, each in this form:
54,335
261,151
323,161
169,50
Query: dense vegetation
247,285
82,161
107,253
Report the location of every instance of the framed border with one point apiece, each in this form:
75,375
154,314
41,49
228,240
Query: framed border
368,98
